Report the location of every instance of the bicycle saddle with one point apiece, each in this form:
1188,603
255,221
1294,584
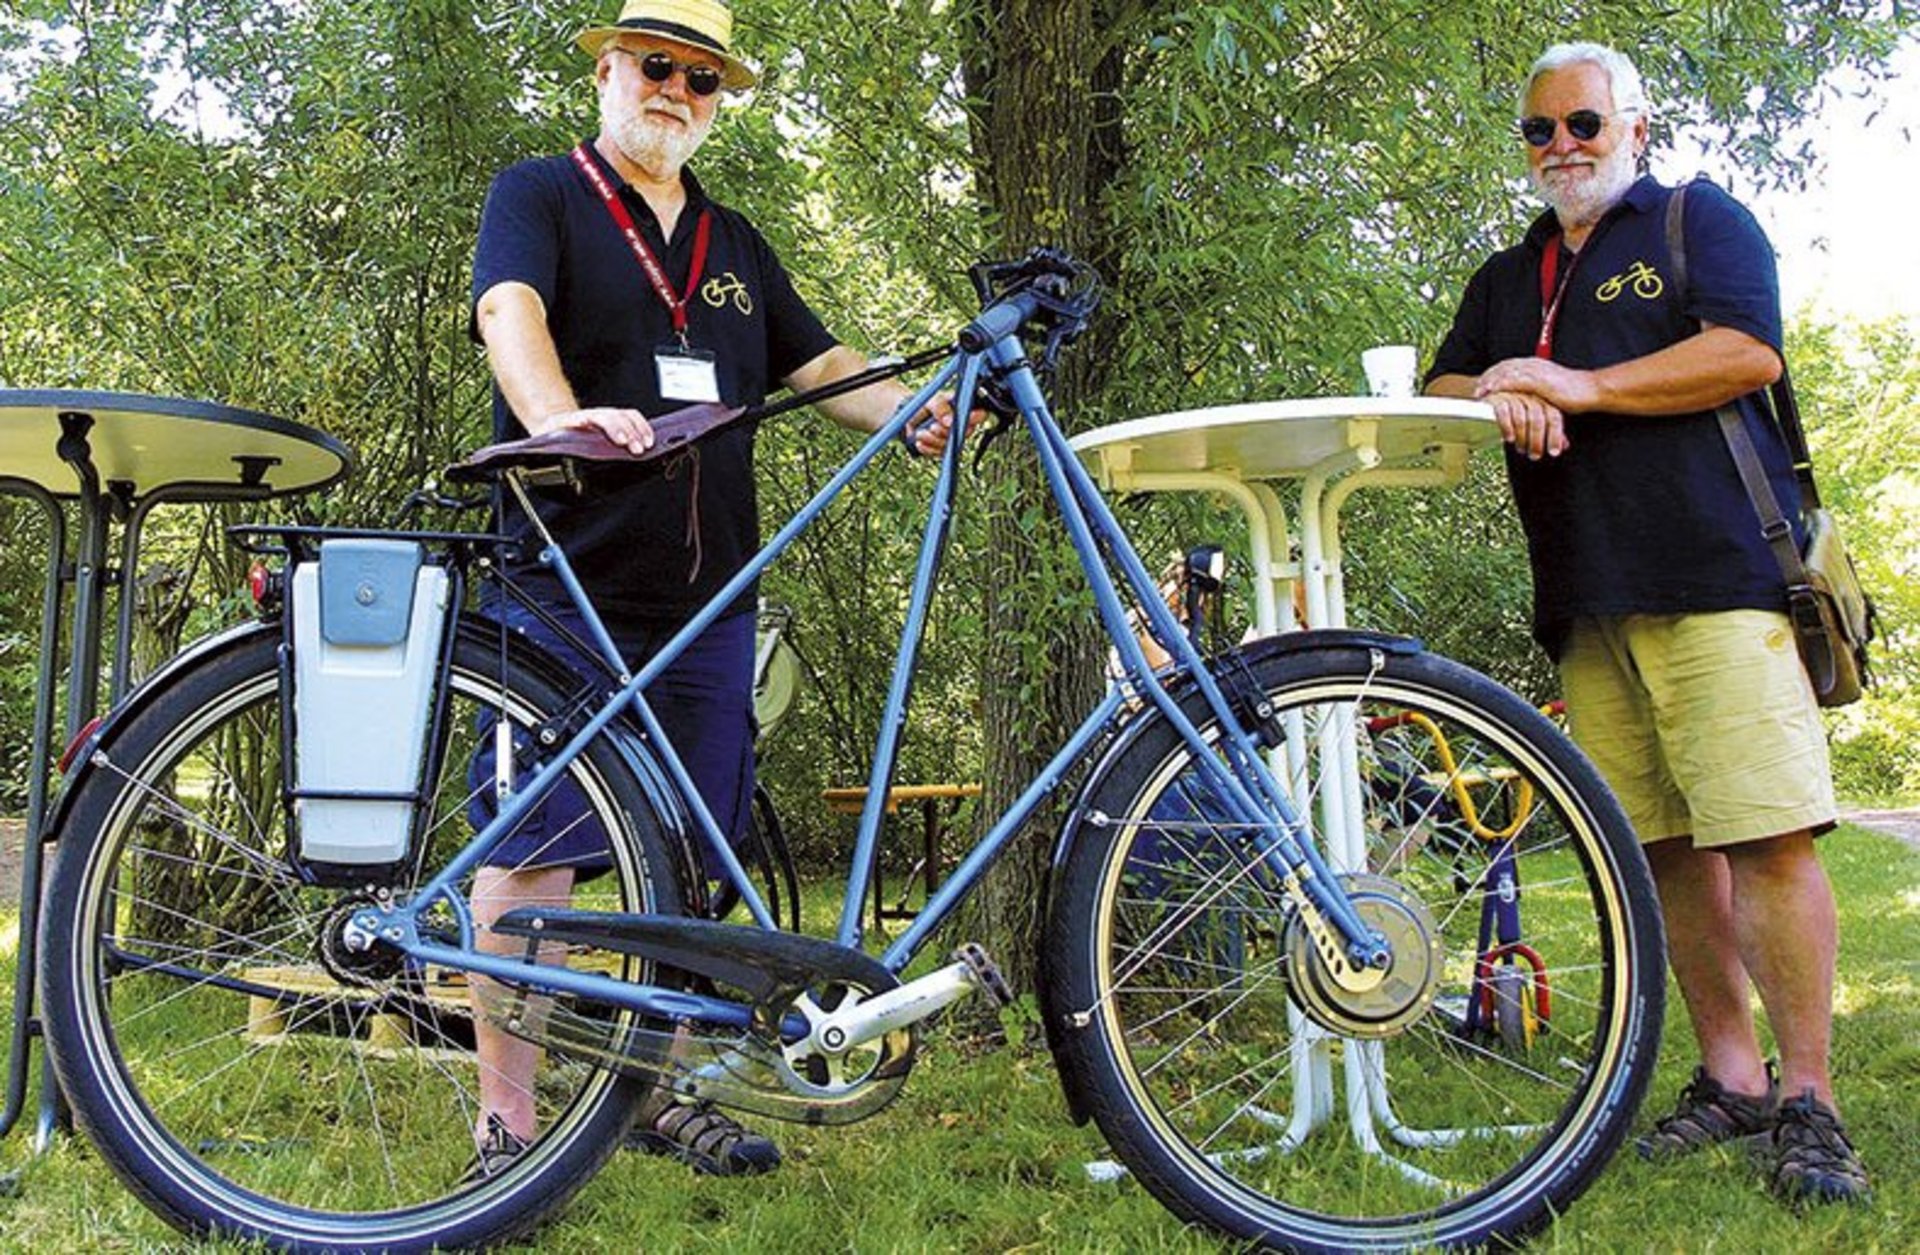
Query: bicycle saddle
671,431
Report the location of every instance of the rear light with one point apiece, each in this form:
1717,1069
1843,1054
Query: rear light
264,584
79,742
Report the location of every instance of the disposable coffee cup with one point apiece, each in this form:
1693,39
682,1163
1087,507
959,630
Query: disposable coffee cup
1389,370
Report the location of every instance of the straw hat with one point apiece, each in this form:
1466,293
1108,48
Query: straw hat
703,24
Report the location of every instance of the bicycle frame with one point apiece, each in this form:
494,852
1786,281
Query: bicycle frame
1232,764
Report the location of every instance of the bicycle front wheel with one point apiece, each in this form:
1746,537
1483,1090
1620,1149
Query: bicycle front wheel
241,1072
1252,1092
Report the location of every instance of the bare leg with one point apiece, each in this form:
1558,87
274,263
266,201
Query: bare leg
508,1064
1759,912
1696,898
1788,935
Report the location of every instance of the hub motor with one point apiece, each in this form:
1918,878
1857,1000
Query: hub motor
1366,1003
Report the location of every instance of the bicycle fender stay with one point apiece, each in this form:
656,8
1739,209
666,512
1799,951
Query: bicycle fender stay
1117,746
637,756
108,726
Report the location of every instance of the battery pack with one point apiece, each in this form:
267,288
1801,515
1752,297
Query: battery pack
368,621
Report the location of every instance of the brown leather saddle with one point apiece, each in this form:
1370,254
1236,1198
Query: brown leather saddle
556,450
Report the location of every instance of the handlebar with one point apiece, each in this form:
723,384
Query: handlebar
998,321
1047,291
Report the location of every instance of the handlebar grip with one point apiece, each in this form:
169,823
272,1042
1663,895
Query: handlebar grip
998,321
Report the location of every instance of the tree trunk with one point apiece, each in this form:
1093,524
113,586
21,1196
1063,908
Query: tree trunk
1044,139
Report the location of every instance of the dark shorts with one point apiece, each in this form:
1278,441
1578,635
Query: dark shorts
704,702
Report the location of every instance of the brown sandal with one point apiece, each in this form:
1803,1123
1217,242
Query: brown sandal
496,1151
1813,1161
1706,1115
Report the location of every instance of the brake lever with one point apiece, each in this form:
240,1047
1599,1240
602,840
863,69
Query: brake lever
996,429
991,396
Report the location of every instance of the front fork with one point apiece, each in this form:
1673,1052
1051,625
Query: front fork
1357,956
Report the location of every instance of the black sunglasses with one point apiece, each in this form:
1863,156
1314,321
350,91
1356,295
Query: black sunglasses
702,80
1582,124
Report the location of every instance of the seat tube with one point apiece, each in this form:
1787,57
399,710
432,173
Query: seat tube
886,752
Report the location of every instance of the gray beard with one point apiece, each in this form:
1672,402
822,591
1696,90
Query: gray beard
659,150
1584,205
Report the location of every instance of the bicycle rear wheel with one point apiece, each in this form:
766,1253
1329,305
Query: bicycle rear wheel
1234,1077
234,1067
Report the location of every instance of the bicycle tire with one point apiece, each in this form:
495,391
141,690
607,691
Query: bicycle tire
1179,1029
227,1074
1508,989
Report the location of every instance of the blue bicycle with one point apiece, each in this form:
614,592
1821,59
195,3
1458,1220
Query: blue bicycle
263,976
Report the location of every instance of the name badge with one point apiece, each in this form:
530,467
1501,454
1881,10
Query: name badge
686,374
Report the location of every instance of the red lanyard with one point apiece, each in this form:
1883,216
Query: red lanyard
656,274
1551,294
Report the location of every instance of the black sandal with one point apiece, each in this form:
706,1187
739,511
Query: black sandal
496,1151
707,1140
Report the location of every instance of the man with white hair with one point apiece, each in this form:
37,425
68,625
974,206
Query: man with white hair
1657,595
608,286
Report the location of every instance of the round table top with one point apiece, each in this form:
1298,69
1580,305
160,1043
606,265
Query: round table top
1279,439
152,443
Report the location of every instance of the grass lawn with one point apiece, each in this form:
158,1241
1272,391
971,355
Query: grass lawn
978,1154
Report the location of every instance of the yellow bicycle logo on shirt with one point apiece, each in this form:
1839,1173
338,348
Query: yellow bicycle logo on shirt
1647,285
718,289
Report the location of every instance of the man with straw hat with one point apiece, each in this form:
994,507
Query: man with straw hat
609,286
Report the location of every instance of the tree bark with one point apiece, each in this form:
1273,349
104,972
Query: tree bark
1046,143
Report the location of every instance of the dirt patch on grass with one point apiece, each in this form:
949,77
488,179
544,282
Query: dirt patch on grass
1904,824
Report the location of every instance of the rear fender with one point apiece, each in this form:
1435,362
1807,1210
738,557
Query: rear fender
106,729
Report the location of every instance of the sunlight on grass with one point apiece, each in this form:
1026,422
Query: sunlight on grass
978,1153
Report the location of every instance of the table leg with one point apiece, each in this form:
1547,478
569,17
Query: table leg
32,855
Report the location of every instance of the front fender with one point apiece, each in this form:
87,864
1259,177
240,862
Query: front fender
1186,693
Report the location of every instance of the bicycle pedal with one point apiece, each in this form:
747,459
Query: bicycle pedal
985,972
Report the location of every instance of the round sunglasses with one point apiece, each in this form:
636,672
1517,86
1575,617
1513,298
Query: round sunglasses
1582,124
658,67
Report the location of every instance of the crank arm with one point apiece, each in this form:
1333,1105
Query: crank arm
883,1013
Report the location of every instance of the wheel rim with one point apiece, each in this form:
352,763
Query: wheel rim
252,1079
1192,985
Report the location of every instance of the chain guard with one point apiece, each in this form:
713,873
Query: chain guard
756,1071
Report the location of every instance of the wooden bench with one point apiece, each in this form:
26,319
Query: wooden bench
269,1016
938,804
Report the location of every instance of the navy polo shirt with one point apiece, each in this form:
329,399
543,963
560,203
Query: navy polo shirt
657,542
1640,515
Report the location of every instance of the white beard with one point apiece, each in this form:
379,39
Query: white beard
1578,199
646,137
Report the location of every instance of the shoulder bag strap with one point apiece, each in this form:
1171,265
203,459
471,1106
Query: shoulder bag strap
1753,476
1786,413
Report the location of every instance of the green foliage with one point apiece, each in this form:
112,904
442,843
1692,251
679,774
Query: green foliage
273,206
1859,393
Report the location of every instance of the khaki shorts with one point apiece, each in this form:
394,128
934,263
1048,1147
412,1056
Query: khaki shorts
1703,724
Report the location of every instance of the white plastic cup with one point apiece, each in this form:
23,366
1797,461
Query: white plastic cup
1389,370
